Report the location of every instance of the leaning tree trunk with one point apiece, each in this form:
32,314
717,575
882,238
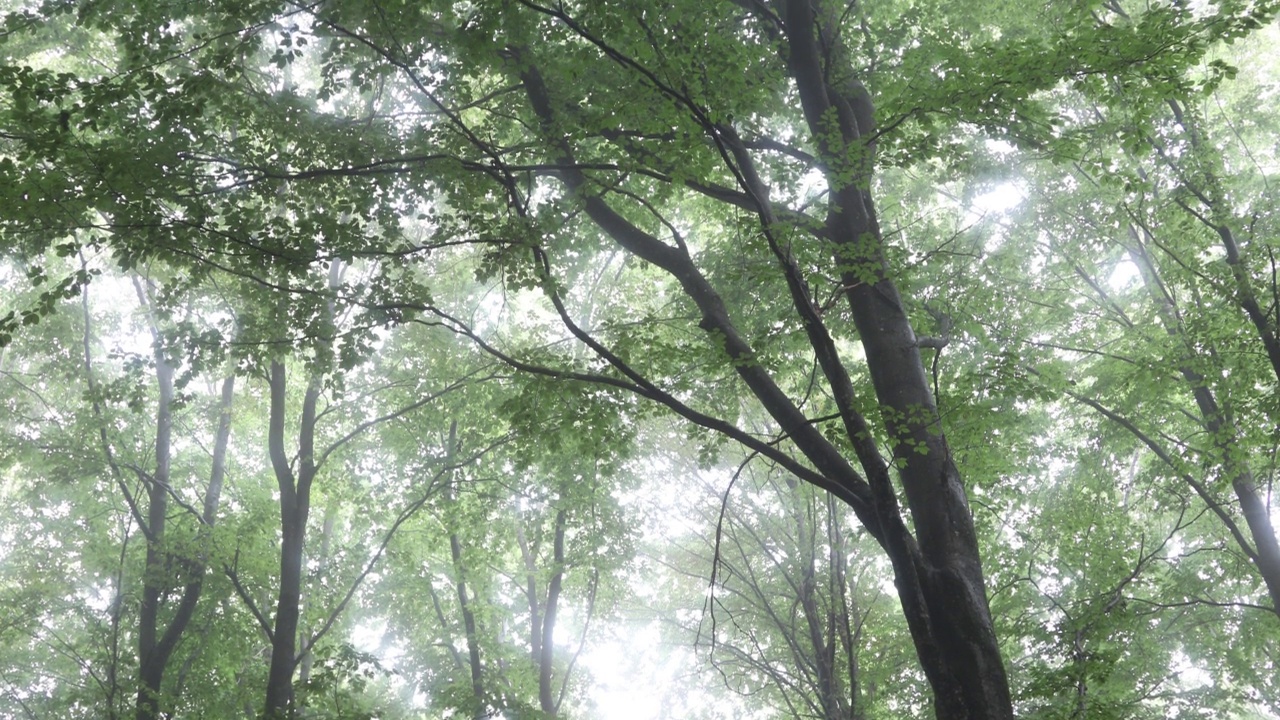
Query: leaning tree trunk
939,574
1264,552
949,616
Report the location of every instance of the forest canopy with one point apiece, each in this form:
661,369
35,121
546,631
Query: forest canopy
523,359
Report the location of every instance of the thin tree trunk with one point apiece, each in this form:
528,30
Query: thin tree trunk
326,537
531,592
472,631
295,506
160,565
117,605
846,607
469,624
1219,219
823,658
546,658
116,610
1265,550
156,645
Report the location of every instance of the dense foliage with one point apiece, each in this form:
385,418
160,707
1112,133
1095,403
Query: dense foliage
639,358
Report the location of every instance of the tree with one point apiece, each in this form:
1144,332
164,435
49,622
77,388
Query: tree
678,202
157,641
1169,352
794,620
955,640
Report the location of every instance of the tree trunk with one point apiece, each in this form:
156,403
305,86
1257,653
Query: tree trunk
469,624
546,657
159,567
117,604
531,592
848,624
1265,551
472,630
155,647
820,625
295,506
950,618
326,538
939,577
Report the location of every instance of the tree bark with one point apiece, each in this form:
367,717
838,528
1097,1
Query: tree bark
295,506
159,564
546,657
156,646
1265,551
471,629
939,576
951,619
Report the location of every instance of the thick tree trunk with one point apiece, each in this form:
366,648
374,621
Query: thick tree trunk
950,618
939,578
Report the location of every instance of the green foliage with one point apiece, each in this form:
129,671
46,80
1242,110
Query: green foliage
371,195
